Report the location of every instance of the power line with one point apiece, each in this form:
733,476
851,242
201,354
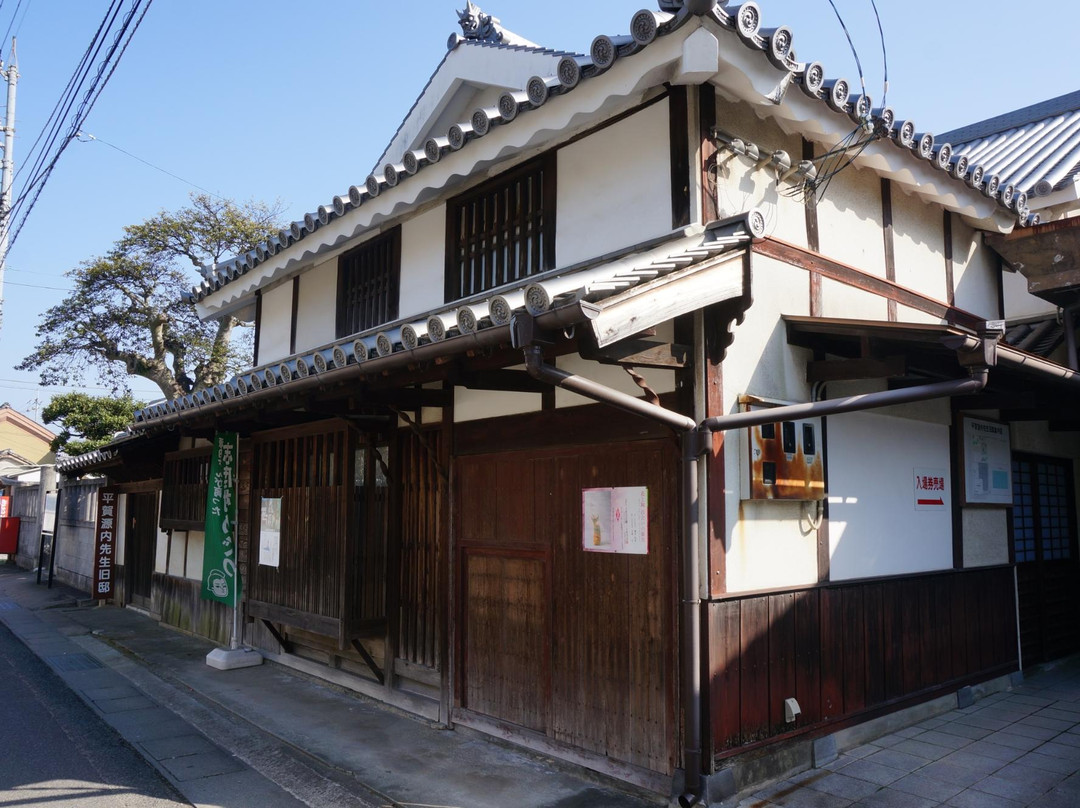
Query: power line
36,286
106,68
80,135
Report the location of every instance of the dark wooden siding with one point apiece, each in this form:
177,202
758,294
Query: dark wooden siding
310,470
579,646
846,649
420,550
183,493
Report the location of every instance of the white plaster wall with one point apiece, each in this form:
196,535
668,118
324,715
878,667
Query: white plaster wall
740,185
177,552
161,546
1019,303
196,543
986,536
874,527
769,544
1034,437
974,272
276,325
919,245
849,220
316,311
423,262
473,405
840,300
614,187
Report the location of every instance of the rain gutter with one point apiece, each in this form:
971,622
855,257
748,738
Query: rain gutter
696,441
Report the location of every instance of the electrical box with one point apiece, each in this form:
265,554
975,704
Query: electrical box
785,461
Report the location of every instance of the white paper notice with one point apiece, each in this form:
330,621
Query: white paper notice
270,532
615,520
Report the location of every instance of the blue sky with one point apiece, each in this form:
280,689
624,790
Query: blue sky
293,101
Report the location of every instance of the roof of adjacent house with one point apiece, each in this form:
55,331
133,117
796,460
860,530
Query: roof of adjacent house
573,70
1035,149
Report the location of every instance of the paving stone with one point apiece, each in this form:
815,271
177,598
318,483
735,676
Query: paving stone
891,798
865,750
1038,760
929,751
873,772
1038,733
1011,788
923,786
177,746
1040,778
201,765
841,762
1067,739
950,772
987,748
908,732
931,723
1025,698
964,730
986,722
944,739
1050,723
898,760
1015,741
808,798
1061,750
1057,712
843,786
885,741
980,799
123,705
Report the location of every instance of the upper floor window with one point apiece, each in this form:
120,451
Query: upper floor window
501,231
368,279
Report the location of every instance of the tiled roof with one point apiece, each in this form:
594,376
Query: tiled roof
1034,150
743,22
463,323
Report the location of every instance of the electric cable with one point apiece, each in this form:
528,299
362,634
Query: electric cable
86,137
884,53
101,79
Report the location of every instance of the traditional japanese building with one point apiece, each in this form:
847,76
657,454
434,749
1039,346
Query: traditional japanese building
592,421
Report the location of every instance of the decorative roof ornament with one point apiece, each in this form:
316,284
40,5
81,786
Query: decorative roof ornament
477,25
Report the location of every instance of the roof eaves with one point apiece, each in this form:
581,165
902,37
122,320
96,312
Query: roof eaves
646,27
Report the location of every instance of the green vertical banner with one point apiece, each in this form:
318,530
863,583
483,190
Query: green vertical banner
221,575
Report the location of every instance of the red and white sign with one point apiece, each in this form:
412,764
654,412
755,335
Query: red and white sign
931,489
104,543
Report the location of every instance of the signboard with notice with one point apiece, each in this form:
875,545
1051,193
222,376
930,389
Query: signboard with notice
987,462
615,520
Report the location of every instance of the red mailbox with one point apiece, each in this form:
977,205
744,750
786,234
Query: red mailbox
9,535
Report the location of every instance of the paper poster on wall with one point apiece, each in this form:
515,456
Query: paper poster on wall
987,463
930,489
270,532
615,520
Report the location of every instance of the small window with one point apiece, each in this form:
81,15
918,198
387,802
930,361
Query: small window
502,231
368,284
183,492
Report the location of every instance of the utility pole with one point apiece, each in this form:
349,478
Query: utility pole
7,167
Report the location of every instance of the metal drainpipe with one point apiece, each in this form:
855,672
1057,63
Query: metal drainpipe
694,443
696,440
1070,336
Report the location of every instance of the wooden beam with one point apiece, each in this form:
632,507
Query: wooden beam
286,646
509,381
640,353
850,276
887,235
836,370
369,661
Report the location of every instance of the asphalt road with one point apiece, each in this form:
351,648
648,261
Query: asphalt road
55,751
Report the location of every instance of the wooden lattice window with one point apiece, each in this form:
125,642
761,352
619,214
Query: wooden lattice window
368,279
502,231
183,493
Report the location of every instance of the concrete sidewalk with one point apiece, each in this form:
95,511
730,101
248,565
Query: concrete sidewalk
268,736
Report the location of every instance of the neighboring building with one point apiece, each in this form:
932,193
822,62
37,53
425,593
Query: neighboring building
23,442
648,226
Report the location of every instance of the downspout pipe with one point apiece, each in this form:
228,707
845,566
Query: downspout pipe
696,440
864,401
